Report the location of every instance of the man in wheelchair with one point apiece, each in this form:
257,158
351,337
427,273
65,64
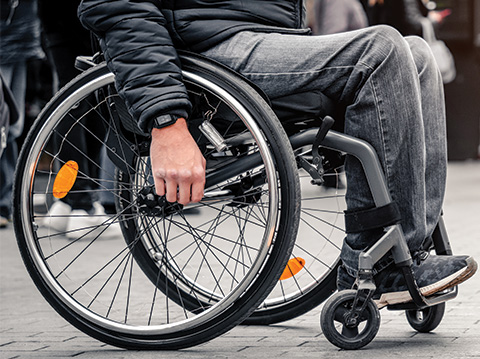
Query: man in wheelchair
389,86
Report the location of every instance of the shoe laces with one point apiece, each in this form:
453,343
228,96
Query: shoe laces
419,256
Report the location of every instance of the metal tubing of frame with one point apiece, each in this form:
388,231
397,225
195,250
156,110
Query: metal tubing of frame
440,239
360,149
241,165
392,240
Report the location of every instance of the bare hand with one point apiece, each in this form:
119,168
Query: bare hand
177,163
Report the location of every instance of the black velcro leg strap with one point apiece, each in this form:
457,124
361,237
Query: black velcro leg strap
373,218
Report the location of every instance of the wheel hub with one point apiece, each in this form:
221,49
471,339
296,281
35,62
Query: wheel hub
151,204
351,320
245,192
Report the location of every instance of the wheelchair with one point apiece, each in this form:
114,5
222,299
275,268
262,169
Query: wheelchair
261,247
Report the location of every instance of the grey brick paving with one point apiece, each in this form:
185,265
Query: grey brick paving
29,328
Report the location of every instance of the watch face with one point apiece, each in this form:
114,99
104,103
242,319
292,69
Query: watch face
163,121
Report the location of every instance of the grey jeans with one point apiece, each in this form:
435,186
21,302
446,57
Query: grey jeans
393,95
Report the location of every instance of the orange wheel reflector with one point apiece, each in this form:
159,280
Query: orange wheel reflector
294,266
65,179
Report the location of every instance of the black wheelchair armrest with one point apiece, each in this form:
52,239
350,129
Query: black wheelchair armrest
83,63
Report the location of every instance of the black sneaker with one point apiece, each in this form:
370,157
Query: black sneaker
432,273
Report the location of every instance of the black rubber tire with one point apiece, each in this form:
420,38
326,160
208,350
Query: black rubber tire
349,338
427,319
207,327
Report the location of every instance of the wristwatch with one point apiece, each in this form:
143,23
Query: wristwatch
164,121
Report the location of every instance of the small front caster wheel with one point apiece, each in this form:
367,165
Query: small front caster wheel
427,319
345,329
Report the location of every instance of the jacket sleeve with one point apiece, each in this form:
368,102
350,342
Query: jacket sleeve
139,50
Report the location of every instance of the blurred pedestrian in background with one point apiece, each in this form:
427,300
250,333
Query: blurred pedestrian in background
333,16
65,40
8,112
415,17
404,15
19,44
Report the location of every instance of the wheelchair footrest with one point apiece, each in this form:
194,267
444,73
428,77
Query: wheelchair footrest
432,300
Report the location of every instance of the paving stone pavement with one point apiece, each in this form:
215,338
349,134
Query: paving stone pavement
29,327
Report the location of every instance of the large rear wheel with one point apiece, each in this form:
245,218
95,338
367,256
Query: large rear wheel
172,276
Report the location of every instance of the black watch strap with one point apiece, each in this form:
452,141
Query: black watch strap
164,121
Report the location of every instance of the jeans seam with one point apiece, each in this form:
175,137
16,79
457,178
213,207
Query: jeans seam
378,102
366,65
296,73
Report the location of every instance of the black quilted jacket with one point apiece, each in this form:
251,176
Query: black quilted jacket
140,38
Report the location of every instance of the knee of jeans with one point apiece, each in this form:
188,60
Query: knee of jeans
422,54
389,40
388,33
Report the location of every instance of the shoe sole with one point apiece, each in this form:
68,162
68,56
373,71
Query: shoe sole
448,282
